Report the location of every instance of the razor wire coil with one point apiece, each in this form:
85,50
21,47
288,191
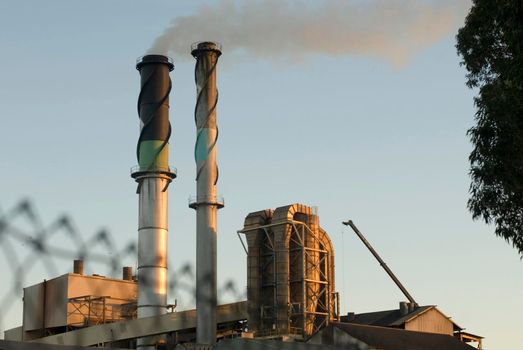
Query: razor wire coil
35,244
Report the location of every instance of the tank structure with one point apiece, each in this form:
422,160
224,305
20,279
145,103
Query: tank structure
290,272
206,203
153,175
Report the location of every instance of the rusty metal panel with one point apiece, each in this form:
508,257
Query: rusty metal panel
431,321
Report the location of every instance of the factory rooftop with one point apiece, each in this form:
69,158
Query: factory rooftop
393,318
392,338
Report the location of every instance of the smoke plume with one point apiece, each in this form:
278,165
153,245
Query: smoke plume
288,30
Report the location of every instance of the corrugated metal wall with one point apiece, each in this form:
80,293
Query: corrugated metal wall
431,321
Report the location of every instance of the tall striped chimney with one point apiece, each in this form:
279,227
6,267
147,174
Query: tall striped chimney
153,176
206,202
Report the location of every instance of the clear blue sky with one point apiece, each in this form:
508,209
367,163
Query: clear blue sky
355,135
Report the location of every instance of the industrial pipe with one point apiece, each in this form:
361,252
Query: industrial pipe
127,273
78,267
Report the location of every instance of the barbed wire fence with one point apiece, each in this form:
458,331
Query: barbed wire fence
30,250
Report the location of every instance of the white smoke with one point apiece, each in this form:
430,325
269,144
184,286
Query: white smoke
285,30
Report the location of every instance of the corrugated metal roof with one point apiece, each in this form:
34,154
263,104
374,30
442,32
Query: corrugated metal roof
393,318
399,339
265,344
412,315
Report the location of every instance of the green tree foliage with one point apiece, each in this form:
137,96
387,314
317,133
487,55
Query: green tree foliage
491,45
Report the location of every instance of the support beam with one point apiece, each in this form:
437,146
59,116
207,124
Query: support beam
144,327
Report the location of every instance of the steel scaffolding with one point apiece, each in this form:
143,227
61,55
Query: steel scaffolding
291,273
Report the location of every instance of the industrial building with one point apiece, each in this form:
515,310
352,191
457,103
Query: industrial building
355,336
290,272
74,301
292,302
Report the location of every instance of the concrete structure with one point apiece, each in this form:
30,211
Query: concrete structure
73,301
290,272
153,176
206,203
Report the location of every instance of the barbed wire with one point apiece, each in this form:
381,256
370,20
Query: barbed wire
30,249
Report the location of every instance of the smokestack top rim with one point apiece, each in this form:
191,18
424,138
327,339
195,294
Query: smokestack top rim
203,46
155,59
138,172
